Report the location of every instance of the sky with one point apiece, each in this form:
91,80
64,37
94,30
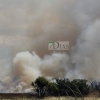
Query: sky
14,20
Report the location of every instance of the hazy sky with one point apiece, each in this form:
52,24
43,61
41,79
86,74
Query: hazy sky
16,16
14,19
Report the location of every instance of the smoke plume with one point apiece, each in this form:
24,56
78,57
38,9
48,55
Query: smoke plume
76,21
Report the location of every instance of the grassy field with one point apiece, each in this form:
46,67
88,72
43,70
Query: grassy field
54,98
25,96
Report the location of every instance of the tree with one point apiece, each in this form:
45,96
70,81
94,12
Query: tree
81,84
41,84
77,87
52,89
63,86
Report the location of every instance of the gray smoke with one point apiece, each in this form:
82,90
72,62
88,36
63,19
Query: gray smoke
76,21
86,53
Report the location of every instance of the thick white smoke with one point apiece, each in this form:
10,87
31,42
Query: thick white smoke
27,67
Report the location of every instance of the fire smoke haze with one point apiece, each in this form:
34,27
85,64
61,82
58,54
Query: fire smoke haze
26,28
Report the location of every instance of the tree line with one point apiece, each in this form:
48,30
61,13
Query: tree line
61,87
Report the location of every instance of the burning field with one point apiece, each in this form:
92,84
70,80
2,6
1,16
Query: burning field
26,28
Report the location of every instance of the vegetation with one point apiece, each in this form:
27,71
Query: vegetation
41,85
61,87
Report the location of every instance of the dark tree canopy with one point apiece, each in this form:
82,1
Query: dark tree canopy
41,86
62,87
41,82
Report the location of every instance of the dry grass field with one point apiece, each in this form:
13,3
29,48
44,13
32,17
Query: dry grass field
53,98
92,96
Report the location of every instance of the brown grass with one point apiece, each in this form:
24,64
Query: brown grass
92,96
54,98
